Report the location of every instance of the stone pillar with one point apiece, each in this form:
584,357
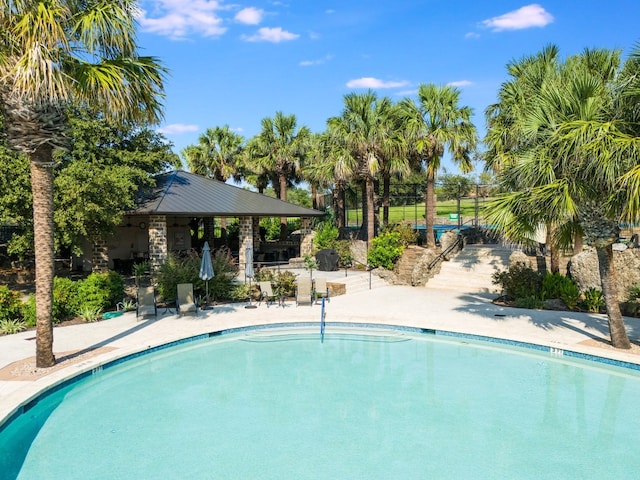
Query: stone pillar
246,239
157,241
100,256
255,225
306,240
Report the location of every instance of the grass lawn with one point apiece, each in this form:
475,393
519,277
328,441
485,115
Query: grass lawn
415,212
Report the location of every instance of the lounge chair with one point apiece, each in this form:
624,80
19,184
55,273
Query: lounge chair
146,302
185,302
320,289
266,293
304,291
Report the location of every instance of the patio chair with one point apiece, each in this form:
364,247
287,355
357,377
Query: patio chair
266,293
146,302
321,290
185,301
304,291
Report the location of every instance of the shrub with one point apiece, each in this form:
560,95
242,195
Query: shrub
556,285
65,297
177,270
89,313
343,248
529,302
9,327
10,304
239,292
326,236
386,250
408,236
100,290
519,281
285,283
592,300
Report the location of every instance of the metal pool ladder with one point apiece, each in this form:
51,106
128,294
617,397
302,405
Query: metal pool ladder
322,322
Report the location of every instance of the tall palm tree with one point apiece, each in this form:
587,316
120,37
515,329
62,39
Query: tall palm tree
364,131
579,120
217,155
55,53
435,124
279,149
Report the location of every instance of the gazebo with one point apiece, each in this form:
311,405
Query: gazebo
160,221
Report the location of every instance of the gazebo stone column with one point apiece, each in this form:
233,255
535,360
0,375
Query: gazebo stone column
100,256
306,241
157,240
246,239
255,226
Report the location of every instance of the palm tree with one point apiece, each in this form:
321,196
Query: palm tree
364,131
435,124
279,149
217,155
579,122
53,54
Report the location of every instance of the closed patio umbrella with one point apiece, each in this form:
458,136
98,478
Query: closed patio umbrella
206,268
248,270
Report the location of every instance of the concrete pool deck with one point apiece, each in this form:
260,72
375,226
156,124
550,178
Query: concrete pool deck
87,346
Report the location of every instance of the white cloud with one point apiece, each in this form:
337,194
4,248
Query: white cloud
533,15
178,19
320,61
250,16
370,82
460,83
273,35
471,35
177,128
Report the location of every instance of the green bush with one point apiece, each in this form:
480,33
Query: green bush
326,236
10,304
177,270
284,283
408,236
65,297
592,300
343,248
519,282
385,251
9,327
556,285
239,292
529,302
100,290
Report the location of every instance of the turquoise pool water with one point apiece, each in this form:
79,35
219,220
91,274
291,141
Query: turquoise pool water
270,405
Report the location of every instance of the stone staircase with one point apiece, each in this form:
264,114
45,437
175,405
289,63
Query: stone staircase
471,269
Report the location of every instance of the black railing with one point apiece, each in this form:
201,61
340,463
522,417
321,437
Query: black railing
445,252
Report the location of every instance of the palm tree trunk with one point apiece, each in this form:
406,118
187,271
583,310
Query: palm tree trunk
338,206
42,191
430,209
386,187
619,338
369,189
283,196
554,251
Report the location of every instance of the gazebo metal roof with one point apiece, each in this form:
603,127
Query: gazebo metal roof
183,193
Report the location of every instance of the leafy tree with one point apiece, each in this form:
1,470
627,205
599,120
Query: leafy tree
279,149
579,152
454,186
437,122
365,132
55,53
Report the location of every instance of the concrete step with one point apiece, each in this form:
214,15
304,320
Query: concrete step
472,269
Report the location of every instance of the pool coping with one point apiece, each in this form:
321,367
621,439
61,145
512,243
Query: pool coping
71,375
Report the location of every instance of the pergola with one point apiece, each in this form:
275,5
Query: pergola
182,195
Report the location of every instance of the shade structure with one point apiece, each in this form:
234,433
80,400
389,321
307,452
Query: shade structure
248,270
206,267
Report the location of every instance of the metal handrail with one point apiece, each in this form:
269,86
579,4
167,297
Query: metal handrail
367,267
322,321
444,253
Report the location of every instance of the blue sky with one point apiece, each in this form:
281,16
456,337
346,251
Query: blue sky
235,63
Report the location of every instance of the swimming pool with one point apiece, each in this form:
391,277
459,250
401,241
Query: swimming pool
361,404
